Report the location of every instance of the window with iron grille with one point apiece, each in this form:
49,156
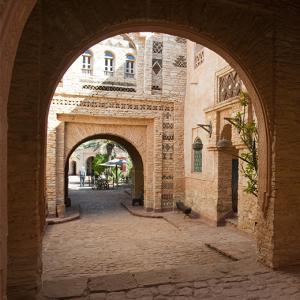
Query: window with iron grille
229,86
199,59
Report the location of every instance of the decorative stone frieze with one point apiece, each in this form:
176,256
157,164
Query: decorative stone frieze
229,86
180,62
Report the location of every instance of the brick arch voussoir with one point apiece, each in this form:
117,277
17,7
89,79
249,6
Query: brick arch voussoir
206,23
130,146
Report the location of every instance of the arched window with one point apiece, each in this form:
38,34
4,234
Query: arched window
108,63
87,62
225,140
226,132
197,155
129,66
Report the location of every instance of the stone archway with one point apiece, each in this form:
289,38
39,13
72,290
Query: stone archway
207,23
137,160
133,134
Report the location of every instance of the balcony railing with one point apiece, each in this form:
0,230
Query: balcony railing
129,75
86,71
109,73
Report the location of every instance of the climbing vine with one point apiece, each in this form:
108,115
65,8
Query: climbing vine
249,135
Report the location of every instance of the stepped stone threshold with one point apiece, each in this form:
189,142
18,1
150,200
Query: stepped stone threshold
111,254
71,214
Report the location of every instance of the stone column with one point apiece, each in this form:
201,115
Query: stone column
51,173
60,167
224,202
133,189
278,224
25,168
156,171
178,158
137,181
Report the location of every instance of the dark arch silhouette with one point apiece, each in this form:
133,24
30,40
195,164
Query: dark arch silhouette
207,41
133,153
214,24
226,132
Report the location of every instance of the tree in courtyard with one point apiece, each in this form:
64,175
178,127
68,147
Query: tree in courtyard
249,135
115,174
98,160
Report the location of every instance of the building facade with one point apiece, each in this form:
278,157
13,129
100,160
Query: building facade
137,87
214,181
38,42
130,87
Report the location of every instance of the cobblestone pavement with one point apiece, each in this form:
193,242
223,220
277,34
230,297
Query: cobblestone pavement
111,254
107,240
240,280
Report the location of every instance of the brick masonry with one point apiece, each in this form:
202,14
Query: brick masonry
209,192
262,47
152,123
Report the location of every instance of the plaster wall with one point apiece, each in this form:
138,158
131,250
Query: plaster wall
201,188
209,192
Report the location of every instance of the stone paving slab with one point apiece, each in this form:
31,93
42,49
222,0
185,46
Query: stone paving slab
109,240
154,277
120,256
68,288
112,283
235,280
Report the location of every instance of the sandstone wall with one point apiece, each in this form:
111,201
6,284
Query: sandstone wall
209,191
134,98
163,115
260,40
